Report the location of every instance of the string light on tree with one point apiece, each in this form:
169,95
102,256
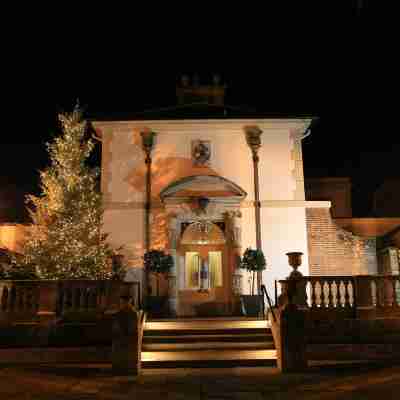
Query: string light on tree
66,241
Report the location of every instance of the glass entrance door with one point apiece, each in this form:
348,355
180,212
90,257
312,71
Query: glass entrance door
203,271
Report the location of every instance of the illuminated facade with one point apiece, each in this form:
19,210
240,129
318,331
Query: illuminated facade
220,171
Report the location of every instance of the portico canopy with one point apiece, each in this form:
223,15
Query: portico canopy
210,186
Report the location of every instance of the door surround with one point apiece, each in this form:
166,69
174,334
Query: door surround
224,198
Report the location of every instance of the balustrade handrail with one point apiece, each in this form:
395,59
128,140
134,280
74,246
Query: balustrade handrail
319,277
265,293
343,276
41,297
359,293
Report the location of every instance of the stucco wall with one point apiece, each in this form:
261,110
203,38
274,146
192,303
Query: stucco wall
284,230
280,171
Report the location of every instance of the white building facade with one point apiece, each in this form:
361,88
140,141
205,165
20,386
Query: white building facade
225,177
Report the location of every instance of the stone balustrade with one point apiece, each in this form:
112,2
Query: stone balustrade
20,300
358,296
335,310
44,300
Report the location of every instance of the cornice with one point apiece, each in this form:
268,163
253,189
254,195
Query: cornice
139,205
236,125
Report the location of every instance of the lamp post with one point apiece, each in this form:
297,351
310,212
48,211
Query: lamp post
253,138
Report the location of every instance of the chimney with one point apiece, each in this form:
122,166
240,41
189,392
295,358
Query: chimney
195,92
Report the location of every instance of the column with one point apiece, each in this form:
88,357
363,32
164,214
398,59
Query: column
253,137
173,235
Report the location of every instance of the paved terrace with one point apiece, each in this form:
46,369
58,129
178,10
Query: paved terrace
339,382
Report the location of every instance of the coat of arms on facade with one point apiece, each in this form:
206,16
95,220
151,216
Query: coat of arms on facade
201,153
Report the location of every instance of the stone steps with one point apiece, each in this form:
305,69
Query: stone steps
207,343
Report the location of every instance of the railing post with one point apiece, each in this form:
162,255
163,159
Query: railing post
289,331
364,306
293,292
127,339
47,302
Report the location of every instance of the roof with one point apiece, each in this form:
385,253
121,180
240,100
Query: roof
200,110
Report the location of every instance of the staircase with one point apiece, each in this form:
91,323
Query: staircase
222,342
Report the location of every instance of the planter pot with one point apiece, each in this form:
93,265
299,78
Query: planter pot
252,305
157,306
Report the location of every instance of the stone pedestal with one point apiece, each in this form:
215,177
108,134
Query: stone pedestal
293,339
126,342
363,297
289,331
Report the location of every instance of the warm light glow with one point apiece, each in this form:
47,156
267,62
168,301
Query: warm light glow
12,236
198,323
219,355
203,232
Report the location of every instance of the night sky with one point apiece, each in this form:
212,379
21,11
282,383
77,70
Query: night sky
336,62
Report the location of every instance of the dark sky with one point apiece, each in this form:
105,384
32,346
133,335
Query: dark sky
336,60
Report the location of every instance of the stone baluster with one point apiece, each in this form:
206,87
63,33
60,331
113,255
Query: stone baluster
47,302
4,297
13,299
4,301
75,298
396,300
330,293
347,284
313,295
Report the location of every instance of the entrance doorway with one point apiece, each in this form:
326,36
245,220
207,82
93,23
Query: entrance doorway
205,281
207,206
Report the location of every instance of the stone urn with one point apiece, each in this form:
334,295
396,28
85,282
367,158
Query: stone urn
295,262
296,289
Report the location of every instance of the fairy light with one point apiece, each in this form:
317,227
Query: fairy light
66,241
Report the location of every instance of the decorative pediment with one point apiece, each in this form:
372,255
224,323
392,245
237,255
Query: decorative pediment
209,186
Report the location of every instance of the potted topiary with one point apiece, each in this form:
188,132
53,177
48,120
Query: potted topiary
157,262
253,261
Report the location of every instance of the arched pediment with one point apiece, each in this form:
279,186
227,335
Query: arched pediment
210,186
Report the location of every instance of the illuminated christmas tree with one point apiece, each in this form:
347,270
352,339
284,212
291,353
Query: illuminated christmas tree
66,241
